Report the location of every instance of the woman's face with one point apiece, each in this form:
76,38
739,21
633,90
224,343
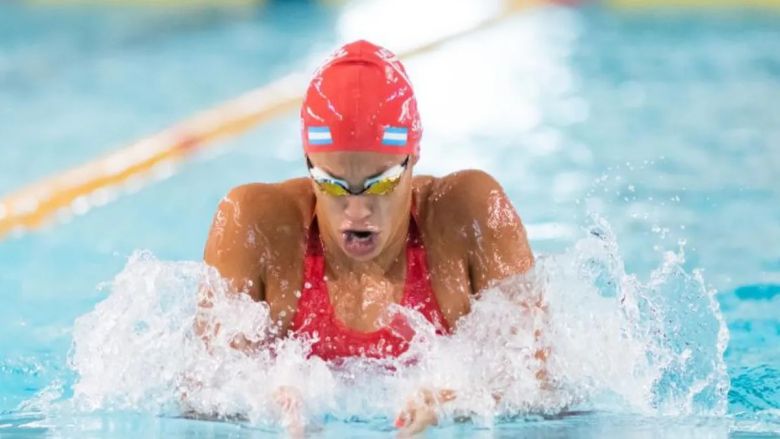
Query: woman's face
362,225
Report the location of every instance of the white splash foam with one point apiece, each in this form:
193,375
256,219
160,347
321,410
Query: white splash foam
614,343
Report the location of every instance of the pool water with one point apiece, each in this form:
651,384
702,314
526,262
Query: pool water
643,146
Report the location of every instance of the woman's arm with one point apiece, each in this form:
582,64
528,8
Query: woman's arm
497,249
237,249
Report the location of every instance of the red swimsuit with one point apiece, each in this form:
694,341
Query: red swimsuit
316,318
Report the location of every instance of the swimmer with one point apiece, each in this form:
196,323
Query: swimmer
330,252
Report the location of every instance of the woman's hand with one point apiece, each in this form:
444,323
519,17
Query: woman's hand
290,403
420,410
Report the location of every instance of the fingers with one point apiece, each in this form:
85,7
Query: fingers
290,403
415,420
407,414
288,399
420,411
446,395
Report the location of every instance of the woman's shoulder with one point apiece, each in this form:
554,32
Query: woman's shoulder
271,208
295,188
455,197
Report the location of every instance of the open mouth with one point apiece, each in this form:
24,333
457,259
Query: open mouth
358,234
359,242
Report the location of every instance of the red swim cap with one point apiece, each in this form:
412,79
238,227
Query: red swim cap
360,99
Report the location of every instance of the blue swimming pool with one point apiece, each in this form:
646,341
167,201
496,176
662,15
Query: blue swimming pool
641,149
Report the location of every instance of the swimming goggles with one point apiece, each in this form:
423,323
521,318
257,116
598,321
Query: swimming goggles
382,184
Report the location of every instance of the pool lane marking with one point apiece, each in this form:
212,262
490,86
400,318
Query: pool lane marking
157,4
34,205
693,4
94,183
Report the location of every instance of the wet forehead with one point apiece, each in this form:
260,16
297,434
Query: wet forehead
354,166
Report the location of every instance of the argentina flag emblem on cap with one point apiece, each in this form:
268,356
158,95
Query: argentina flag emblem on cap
319,136
395,136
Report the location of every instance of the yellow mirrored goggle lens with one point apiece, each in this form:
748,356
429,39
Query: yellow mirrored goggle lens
383,187
333,189
376,186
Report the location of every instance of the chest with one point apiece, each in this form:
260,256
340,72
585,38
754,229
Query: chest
360,302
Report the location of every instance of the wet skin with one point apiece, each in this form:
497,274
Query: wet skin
472,235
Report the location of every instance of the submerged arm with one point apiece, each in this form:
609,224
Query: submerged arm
497,249
500,250
237,249
233,246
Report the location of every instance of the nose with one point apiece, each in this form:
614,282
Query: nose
357,208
